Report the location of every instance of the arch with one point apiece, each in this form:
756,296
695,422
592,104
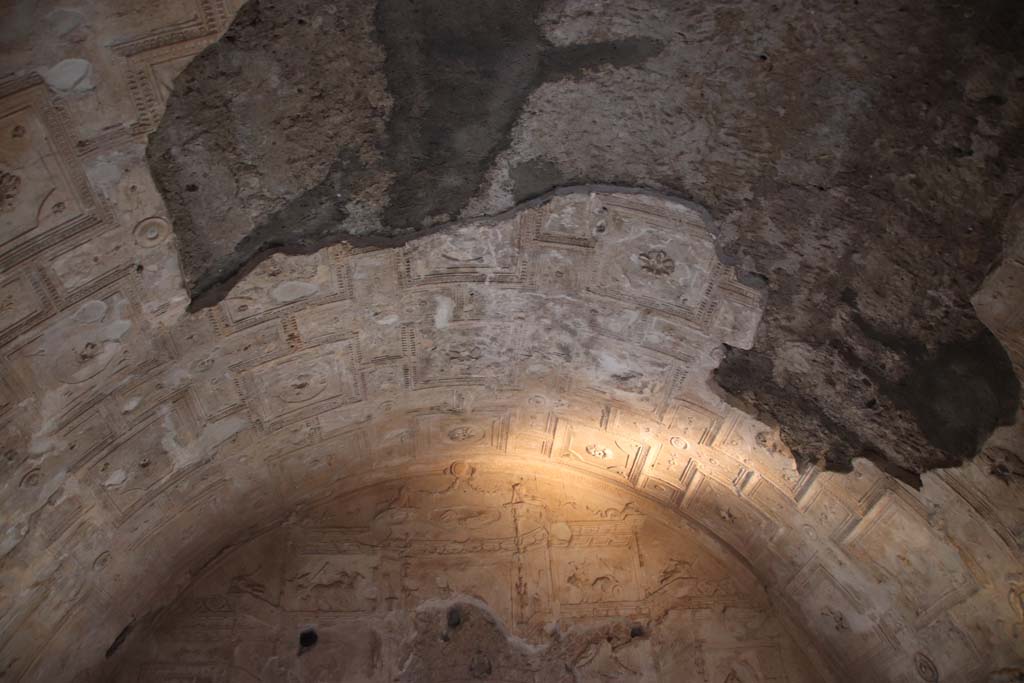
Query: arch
575,334
414,576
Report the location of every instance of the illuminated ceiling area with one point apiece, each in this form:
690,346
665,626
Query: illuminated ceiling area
512,419
496,452
480,572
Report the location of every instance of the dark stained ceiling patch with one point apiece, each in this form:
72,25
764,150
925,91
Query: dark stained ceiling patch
240,185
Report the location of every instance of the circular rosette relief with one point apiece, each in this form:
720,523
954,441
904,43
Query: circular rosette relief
152,232
464,434
303,387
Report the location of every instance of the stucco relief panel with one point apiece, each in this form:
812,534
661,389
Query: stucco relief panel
598,450
465,353
303,384
894,540
42,187
86,351
475,252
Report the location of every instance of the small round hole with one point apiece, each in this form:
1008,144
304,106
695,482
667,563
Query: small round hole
308,638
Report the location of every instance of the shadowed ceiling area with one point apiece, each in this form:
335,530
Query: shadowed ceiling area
543,359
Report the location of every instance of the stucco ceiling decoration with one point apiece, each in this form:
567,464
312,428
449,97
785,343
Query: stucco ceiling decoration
501,438
577,334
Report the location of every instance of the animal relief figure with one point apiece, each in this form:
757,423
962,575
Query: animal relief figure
396,510
616,514
1016,600
742,673
328,587
736,665
465,517
589,584
601,662
248,584
319,665
675,569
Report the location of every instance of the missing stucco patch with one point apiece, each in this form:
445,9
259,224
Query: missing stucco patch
396,142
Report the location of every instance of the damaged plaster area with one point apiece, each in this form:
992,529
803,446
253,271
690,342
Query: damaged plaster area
315,122
465,640
858,168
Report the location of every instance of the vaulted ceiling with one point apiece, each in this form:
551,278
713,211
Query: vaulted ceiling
658,342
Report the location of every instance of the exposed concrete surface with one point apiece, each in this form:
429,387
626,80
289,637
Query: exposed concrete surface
275,137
